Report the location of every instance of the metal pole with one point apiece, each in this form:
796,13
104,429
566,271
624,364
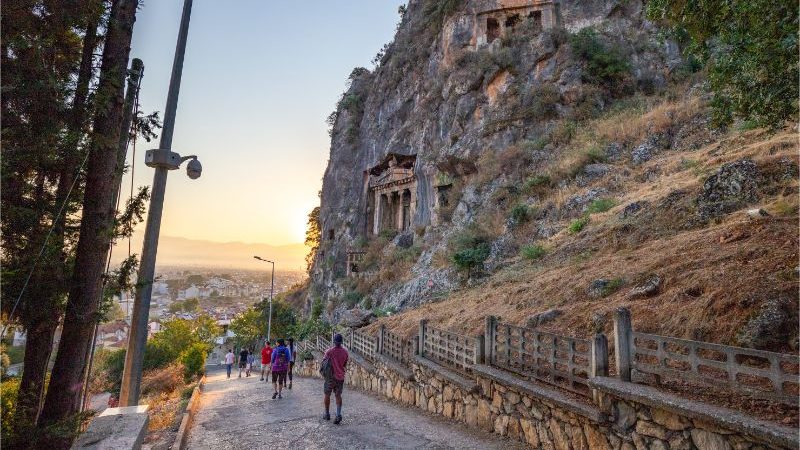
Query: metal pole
132,374
272,285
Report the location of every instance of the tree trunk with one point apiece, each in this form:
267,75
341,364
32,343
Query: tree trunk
41,320
97,221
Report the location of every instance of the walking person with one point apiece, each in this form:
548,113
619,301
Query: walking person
292,358
242,361
251,359
280,365
266,359
229,362
334,364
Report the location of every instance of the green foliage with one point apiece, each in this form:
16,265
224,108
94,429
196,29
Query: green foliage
533,252
601,205
313,237
188,305
15,354
194,361
195,279
543,100
314,324
519,214
750,48
535,182
604,63
578,224
436,11
612,286
470,248
352,298
384,311
8,400
595,155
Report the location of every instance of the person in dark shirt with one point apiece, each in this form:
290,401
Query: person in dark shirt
243,360
280,365
338,357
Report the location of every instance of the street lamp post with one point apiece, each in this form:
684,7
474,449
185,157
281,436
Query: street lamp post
271,289
163,160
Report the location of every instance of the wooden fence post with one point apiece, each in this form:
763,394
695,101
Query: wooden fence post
381,339
480,358
622,343
599,356
488,341
422,324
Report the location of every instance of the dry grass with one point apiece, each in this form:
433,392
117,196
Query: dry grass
166,379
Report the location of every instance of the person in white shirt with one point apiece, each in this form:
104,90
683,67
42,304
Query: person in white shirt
229,362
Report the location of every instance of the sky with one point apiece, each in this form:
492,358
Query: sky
259,79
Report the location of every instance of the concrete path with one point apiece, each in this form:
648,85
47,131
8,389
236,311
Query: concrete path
240,414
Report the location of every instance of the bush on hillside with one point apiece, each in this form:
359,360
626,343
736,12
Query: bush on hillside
601,205
578,224
194,361
604,63
533,252
470,248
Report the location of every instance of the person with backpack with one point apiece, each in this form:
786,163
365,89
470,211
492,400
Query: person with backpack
333,368
266,358
280,365
229,362
292,358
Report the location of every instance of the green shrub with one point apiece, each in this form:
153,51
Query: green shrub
595,155
194,361
612,286
543,101
604,63
384,311
533,252
15,354
352,298
534,145
469,248
519,214
601,205
186,393
536,181
578,224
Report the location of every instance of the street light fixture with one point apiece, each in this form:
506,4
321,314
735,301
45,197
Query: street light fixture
271,288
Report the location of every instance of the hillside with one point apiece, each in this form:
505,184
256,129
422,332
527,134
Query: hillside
514,157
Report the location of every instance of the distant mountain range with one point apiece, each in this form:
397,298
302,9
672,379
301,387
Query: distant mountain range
178,251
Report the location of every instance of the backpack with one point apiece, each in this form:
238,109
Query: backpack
281,360
326,368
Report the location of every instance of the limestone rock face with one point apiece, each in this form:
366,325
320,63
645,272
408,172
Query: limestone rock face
441,105
772,326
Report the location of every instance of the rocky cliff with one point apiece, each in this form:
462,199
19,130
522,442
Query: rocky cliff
498,140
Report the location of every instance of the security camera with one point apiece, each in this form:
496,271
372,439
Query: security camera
194,169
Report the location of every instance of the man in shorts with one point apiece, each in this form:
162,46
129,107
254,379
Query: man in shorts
229,357
266,358
337,356
280,365
242,361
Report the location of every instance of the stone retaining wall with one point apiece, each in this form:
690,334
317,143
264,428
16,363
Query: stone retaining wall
498,402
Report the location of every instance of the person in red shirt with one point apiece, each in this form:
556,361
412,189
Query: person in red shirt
337,356
266,357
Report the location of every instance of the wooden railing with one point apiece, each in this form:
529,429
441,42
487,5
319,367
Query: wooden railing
363,344
757,373
558,360
455,350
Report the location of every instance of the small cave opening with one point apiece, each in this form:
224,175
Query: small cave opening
512,20
492,29
331,234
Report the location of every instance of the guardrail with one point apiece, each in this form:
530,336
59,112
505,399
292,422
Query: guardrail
394,346
363,344
451,349
559,360
758,373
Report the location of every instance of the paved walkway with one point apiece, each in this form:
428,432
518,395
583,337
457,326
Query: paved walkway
239,414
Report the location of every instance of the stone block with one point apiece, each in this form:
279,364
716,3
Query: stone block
115,428
578,439
501,425
560,437
529,432
485,421
706,440
625,416
447,409
639,441
651,429
595,438
536,412
514,430
497,401
680,442
669,420
512,397
658,444
471,415
447,393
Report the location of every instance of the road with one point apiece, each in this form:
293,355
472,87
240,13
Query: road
239,413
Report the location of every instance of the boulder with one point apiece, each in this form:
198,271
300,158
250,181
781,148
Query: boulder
733,186
771,327
706,440
649,288
613,151
644,152
542,318
632,209
356,318
404,240
597,288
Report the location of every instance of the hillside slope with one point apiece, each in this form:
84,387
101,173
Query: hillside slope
514,157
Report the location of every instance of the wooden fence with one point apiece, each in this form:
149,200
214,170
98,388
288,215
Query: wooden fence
451,349
562,361
757,373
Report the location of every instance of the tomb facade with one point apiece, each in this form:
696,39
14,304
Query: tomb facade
391,194
501,16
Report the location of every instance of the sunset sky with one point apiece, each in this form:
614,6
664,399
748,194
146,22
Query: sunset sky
260,78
